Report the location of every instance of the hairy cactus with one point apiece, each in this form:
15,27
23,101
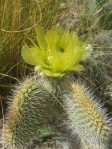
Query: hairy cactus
28,112
88,117
56,53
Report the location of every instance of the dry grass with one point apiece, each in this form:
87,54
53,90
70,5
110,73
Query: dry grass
18,20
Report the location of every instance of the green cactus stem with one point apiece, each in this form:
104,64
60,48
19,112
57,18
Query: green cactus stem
28,113
87,117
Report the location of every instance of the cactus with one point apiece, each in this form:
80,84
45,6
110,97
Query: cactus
88,117
33,99
28,112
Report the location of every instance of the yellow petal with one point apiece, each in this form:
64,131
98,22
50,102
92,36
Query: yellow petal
78,68
40,38
31,56
53,74
57,59
28,55
42,54
52,39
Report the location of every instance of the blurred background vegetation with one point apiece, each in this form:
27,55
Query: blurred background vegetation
18,19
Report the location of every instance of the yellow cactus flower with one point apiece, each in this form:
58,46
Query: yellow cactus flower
58,52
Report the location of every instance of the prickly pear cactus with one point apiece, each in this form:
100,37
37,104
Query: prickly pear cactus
55,55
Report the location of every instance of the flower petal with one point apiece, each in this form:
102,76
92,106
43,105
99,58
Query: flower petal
42,54
31,56
52,39
53,74
78,68
40,38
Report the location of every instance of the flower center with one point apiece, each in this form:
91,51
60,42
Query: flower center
60,49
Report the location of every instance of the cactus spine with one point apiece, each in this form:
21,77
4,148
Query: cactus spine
88,117
28,112
32,100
